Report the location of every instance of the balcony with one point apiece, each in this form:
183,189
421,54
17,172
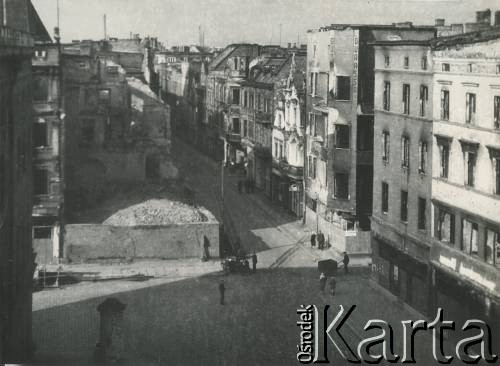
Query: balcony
295,172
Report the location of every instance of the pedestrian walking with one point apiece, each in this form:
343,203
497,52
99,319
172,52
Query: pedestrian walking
346,263
321,241
254,262
247,186
206,250
322,282
333,285
222,290
313,240
240,186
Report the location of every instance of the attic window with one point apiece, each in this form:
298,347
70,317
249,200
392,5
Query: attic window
498,68
445,67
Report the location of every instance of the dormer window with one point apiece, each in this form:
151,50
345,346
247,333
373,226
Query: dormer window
445,67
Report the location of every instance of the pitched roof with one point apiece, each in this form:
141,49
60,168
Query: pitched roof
36,26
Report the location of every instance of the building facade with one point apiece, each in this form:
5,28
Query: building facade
465,256
226,73
16,118
288,145
48,153
435,227
340,97
401,217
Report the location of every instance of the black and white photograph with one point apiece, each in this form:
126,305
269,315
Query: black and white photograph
249,182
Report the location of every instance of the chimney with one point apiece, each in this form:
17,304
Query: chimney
497,18
403,24
289,45
457,28
483,16
439,22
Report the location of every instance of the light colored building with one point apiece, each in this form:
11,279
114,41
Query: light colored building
288,146
465,257
402,165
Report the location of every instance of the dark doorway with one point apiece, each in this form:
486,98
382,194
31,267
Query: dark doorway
152,167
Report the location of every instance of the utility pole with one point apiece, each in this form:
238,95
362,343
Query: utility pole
58,25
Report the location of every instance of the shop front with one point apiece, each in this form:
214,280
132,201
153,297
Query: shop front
403,275
465,288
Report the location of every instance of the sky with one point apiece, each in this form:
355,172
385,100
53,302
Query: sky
176,22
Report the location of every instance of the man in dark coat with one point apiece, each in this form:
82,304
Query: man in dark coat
313,240
346,262
240,186
222,289
321,240
254,262
322,282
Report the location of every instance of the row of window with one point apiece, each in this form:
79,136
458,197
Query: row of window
445,66
487,249
405,152
247,100
406,62
469,151
470,103
246,131
422,204
423,100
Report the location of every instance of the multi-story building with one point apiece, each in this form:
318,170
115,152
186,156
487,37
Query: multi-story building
288,135
19,20
465,256
182,86
226,72
436,190
340,97
402,164
48,153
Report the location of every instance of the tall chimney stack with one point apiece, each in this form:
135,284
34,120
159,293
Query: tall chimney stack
104,21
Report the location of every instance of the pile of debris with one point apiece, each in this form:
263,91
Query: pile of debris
156,212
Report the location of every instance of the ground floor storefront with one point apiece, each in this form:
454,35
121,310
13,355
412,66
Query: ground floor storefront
288,193
403,275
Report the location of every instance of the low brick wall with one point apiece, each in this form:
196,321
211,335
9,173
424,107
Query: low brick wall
87,242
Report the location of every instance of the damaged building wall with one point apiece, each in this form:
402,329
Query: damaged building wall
92,242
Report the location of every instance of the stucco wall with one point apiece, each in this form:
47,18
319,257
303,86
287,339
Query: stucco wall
90,242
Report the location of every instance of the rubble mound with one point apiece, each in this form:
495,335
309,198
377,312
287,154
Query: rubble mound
156,212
